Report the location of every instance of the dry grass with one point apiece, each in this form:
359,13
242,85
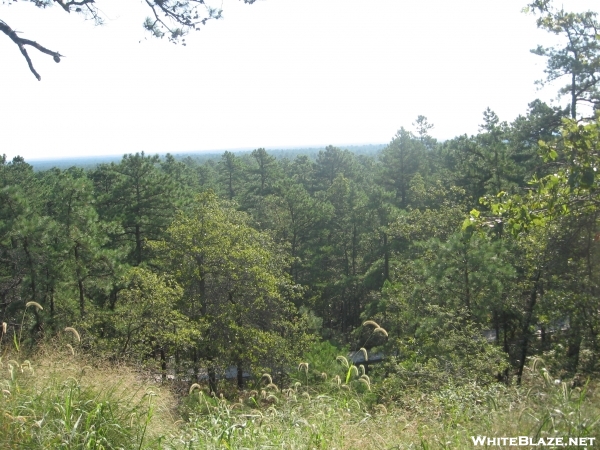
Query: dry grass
122,381
328,416
55,381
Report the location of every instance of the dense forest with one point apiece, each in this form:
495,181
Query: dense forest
245,260
457,260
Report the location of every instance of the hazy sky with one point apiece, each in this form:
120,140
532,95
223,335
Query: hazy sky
278,73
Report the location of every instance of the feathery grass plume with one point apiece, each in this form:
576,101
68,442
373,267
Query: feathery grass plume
36,304
381,408
366,377
343,360
263,394
70,347
6,392
362,370
194,386
4,327
323,376
267,377
75,333
303,366
73,380
272,386
354,371
306,394
271,399
536,363
297,384
371,322
380,331
365,382
547,378
337,380
252,393
364,352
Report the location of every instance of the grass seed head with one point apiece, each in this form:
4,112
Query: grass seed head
343,360
267,377
365,382
371,322
74,332
303,366
4,327
365,354
380,330
70,347
36,304
194,386
381,408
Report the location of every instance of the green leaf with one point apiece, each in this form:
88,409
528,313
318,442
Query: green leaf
466,224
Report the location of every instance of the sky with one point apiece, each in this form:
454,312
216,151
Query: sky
275,74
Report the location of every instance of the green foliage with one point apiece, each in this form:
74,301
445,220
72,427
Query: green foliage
446,347
146,319
578,58
322,364
234,285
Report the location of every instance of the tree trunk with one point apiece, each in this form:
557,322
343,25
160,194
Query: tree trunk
79,282
573,98
163,364
526,324
240,376
212,379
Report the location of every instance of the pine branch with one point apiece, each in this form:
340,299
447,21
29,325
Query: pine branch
21,43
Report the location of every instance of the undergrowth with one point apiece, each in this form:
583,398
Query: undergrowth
59,399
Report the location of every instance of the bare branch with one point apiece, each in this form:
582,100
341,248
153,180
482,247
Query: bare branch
67,6
21,43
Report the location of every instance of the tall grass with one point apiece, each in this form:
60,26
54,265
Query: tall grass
56,400
59,400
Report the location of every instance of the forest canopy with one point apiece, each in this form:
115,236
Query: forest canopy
472,255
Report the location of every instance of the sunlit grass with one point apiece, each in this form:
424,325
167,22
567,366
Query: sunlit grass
58,400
